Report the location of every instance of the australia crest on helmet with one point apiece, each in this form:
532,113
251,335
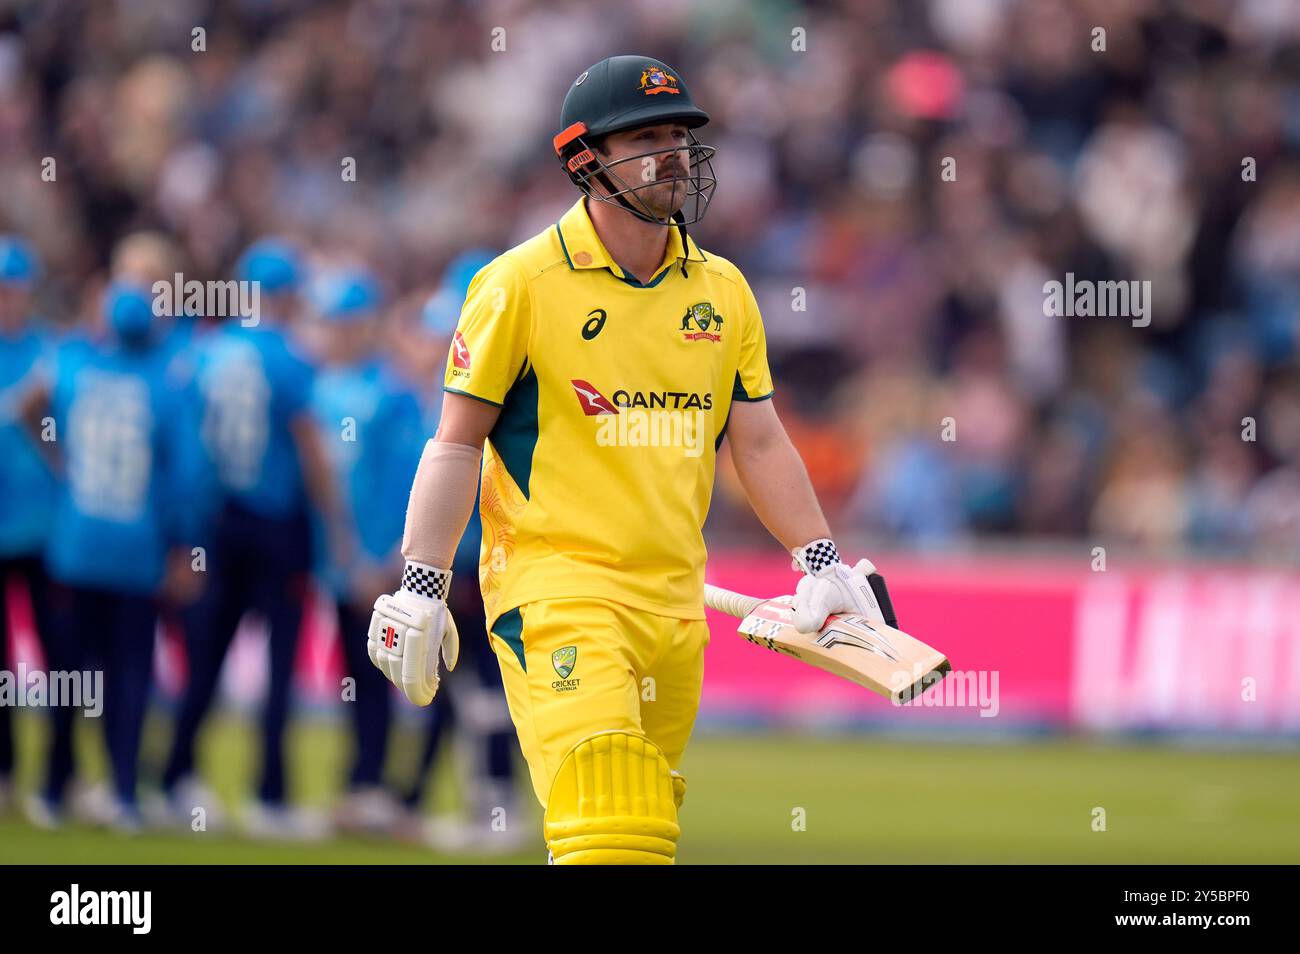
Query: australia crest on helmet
655,80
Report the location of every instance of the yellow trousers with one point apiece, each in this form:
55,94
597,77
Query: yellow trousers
575,667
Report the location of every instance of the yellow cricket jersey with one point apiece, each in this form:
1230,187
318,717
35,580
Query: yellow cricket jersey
614,397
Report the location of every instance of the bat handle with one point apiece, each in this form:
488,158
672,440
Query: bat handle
882,597
725,601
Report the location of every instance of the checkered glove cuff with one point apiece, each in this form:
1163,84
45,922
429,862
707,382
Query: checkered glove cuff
426,581
815,557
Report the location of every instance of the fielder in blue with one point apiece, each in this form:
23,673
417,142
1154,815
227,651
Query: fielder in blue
121,527
27,486
374,434
254,387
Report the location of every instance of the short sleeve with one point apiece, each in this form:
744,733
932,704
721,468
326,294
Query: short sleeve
753,379
490,346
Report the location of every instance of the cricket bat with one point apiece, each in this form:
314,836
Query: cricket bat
883,659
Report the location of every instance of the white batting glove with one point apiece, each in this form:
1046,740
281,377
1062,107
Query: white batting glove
408,628
830,586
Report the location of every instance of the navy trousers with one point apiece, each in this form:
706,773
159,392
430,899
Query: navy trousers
258,564
477,661
371,710
93,629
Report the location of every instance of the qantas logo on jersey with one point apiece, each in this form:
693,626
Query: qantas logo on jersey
591,400
459,352
648,418
676,400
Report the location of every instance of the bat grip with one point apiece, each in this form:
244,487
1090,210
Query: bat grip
882,597
726,601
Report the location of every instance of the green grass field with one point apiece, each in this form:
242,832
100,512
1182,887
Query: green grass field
856,799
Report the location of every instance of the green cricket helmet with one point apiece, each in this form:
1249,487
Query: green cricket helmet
629,92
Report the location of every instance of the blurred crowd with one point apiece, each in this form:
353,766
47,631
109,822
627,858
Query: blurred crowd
398,133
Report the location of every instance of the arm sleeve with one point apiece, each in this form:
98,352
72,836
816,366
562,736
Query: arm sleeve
442,496
490,346
753,379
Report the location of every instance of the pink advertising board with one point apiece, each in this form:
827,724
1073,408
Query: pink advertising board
1033,642
1044,642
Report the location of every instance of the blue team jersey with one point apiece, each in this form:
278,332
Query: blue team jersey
252,384
124,431
27,487
180,336
374,434
181,347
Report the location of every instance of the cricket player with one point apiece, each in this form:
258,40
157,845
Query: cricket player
595,370
27,487
372,427
121,529
270,463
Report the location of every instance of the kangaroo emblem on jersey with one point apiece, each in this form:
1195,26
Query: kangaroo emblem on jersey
702,315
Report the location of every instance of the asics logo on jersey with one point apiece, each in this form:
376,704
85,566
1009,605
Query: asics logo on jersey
595,321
